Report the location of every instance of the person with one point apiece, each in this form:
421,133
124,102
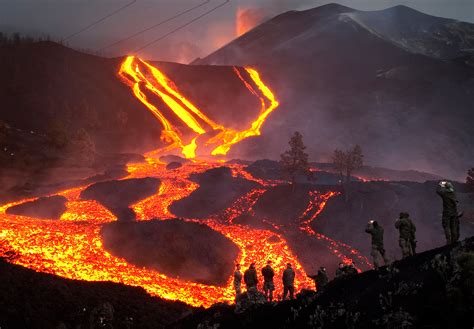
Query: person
378,252
237,281
321,279
407,229
268,285
340,270
250,277
450,217
288,282
350,269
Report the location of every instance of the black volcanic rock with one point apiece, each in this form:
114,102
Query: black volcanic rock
217,191
173,165
270,169
187,250
30,299
117,195
169,158
430,290
283,204
46,208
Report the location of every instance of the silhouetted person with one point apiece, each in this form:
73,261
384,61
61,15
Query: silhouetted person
237,281
378,252
350,269
340,271
321,279
268,285
250,277
288,282
450,219
407,239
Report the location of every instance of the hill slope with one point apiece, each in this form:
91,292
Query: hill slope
430,290
373,78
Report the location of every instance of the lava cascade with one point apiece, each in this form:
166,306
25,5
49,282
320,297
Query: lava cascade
71,247
143,78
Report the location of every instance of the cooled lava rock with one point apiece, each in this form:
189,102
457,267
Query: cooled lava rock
217,190
117,195
46,208
273,170
169,158
283,204
190,251
30,299
429,290
174,165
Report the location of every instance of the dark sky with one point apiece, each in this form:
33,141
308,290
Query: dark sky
60,18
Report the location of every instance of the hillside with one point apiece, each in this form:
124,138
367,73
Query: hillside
395,81
66,114
430,290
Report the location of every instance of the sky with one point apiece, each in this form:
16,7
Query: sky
62,18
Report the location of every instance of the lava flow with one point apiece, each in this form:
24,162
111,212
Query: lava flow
71,247
143,77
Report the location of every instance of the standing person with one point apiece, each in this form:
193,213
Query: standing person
340,270
321,279
237,281
407,229
250,277
378,252
288,282
350,269
268,286
450,219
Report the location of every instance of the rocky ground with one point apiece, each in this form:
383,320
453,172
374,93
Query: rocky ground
430,290
118,195
190,251
217,191
29,299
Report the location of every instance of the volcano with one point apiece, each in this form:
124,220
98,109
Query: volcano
396,81
363,82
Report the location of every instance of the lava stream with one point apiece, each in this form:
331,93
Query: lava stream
141,76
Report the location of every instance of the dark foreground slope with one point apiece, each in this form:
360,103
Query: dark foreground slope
29,299
431,290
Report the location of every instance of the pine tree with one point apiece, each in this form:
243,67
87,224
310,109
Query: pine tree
470,179
295,160
346,163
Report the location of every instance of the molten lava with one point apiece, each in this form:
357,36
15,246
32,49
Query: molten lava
143,77
72,247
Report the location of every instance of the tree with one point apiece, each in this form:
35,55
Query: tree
470,179
83,148
295,160
346,163
3,133
58,135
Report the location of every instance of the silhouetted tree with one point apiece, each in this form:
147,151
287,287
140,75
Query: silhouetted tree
3,132
58,136
83,147
295,160
470,179
346,163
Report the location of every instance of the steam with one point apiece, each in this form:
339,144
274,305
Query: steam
247,19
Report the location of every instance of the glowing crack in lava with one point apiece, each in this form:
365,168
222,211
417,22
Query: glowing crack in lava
71,247
142,76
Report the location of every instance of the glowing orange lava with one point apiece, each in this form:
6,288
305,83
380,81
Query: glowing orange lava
71,247
143,77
